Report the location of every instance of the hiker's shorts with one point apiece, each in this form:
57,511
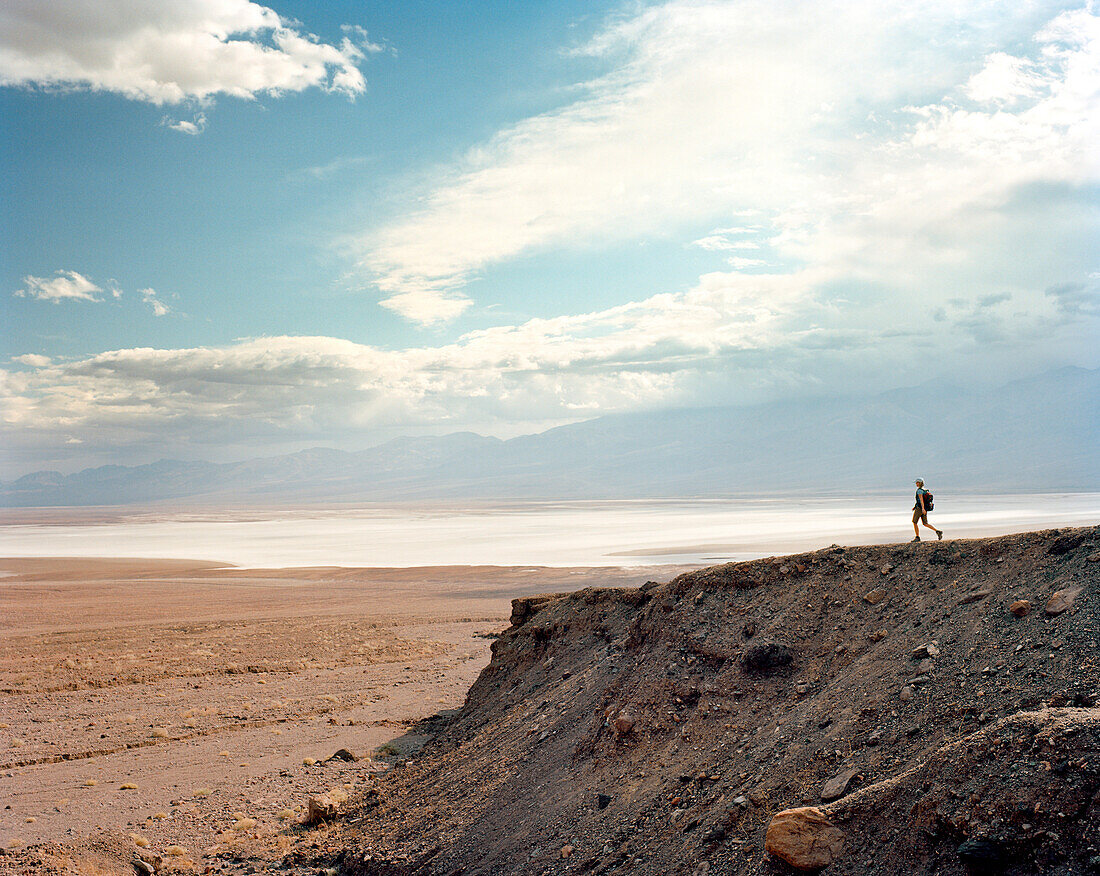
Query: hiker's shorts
918,514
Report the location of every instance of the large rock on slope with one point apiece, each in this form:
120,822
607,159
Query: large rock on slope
804,838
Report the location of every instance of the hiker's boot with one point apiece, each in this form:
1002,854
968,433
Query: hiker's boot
916,538
939,535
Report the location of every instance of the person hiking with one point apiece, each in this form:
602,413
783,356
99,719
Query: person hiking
921,508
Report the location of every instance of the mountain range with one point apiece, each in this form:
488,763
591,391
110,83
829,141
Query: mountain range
1035,434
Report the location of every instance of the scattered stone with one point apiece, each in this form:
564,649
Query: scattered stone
837,786
927,650
804,838
886,569
566,851
1061,600
874,738
345,755
981,855
1093,558
877,635
925,666
143,868
603,801
320,809
1020,608
920,679
766,656
714,835
907,693
1066,543
624,722
975,596
875,596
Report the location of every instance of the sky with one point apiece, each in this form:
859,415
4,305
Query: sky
232,229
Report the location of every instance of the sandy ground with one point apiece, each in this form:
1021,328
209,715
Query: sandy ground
174,700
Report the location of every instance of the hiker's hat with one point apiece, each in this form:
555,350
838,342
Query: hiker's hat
919,481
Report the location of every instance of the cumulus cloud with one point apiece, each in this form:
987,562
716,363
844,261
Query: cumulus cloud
35,360
816,118
169,52
62,286
734,337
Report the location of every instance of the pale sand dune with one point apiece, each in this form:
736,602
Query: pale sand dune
143,672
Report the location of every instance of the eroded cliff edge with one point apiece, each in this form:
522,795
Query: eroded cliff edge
660,730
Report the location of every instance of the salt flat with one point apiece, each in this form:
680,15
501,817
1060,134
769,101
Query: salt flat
523,533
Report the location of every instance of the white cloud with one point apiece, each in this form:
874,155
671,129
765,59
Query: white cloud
734,337
64,285
168,52
149,297
194,127
35,360
715,108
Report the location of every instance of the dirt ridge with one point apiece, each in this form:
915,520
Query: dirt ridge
660,730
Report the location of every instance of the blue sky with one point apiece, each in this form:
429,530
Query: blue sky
232,228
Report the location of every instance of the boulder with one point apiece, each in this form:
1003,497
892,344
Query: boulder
875,596
345,755
804,838
1061,600
1020,607
320,809
624,722
766,657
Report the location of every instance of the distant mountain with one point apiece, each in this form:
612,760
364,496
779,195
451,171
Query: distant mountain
1036,434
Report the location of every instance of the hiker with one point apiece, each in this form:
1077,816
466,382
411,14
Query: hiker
920,511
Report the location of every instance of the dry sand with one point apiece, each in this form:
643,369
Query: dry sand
208,688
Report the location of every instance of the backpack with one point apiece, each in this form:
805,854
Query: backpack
928,501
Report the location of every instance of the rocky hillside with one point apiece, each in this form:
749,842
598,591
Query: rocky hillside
923,708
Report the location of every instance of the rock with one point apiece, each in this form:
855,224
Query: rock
1020,607
886,569
766,657
875,596
920,679
877,635
345,755
566,851
320,809
525,607
1066,543
804,838
927,650
874,738
1062,600
975,596
981,855
624,722
906,694
837,786
925,666
1093,558
714,835
143,868
603,801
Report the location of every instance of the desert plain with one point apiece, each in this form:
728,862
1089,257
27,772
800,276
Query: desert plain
193,704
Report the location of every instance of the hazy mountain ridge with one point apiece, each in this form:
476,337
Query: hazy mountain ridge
1034,434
